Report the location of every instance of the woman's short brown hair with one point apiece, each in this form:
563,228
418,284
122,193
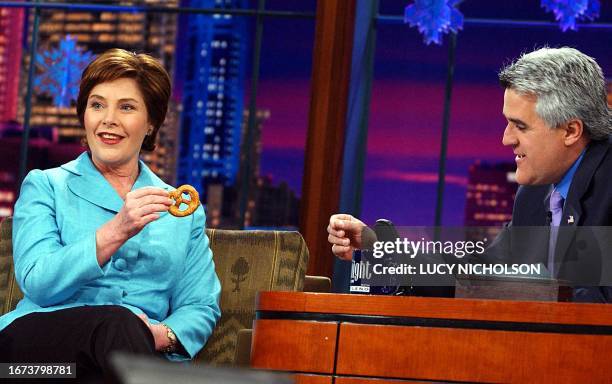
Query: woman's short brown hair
152,79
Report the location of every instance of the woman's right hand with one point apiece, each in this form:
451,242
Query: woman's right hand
141,207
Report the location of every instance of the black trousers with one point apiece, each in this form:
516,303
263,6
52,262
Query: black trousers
83,335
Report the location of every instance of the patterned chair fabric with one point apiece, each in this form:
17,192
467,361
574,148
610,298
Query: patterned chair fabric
246,261
10,294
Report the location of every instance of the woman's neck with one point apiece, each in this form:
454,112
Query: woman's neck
121,177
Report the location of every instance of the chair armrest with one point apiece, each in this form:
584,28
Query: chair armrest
317,284
242,358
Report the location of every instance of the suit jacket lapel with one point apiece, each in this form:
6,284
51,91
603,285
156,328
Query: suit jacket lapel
546,204
572,210
581,182
89,184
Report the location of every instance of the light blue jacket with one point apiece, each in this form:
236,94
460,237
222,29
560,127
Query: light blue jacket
165,271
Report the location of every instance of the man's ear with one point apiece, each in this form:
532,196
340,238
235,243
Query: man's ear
573,131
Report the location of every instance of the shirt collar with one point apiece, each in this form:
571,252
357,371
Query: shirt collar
563,186
83,165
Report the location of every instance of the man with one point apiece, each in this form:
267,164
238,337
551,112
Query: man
559,128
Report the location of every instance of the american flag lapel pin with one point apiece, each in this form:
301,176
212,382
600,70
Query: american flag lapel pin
570,220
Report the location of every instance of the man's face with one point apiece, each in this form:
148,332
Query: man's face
540,152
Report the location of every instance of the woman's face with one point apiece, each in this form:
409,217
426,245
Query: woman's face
116,122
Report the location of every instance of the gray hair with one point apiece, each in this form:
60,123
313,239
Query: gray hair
568,85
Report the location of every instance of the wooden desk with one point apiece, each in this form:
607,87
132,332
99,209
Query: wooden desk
349,339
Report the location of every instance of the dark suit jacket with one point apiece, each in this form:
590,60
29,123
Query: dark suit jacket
579,253
589,200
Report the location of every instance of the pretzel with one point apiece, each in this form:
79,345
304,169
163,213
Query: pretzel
177,196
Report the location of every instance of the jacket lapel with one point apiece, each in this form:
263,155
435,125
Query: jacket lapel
582,179
89,184
572,210
546,204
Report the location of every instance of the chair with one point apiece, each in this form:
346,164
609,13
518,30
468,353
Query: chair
10,294
246,262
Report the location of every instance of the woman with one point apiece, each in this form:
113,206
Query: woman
101,263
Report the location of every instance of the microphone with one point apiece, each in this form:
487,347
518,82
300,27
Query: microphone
385,230
548,218
368,238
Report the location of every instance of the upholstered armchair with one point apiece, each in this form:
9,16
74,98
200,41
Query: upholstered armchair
246,261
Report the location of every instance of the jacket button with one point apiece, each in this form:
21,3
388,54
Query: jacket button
120,264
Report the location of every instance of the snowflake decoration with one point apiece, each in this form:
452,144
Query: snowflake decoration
61,71
433,18
567,12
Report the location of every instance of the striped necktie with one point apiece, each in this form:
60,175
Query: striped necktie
556,209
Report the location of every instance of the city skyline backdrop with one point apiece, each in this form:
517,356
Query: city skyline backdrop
407,100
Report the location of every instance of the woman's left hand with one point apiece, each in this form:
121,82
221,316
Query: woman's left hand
159,332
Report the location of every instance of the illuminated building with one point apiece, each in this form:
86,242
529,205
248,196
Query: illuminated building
250,164
267,205
223,203
490,194
11,33
275,206
212,51
97,31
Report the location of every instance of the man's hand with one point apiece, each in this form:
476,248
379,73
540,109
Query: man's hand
344,235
